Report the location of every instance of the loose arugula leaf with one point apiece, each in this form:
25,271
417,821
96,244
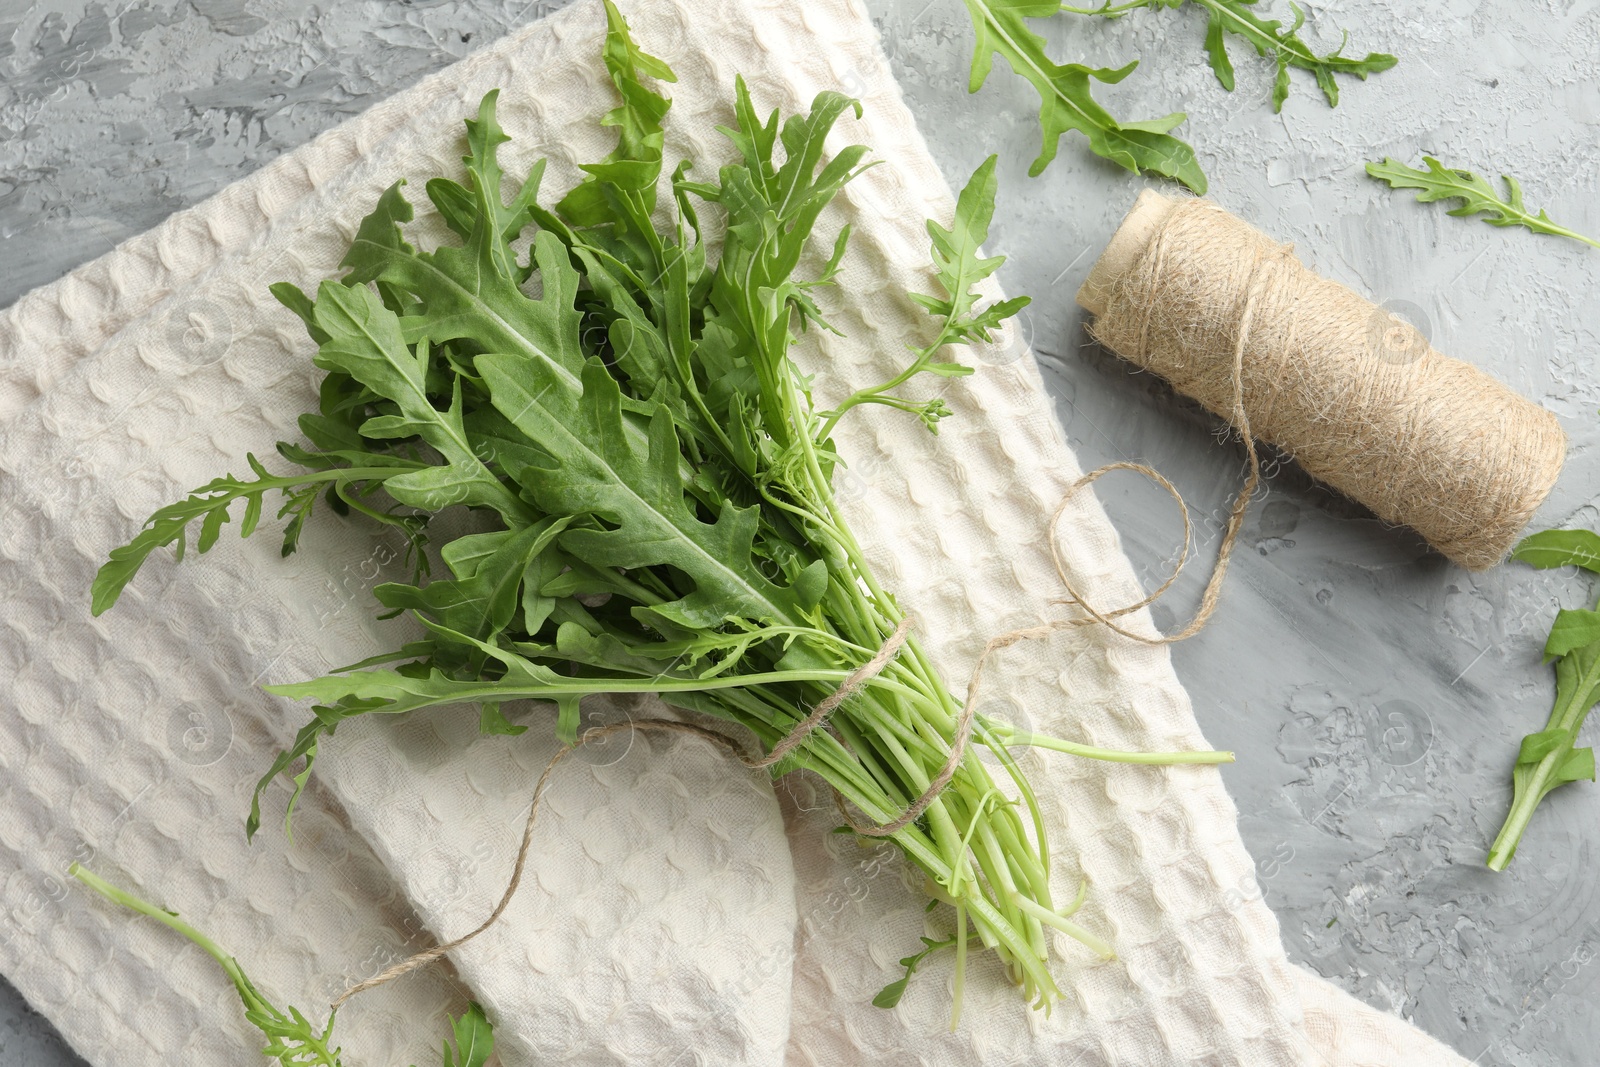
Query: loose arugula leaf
1066,102
1560,548
1270,38
1285,45
1549,757
1477,196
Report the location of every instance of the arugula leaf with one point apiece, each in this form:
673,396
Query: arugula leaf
1572,630
292,1039
467,293
958,268
1477,196
1270,38
365,342
1285,45
1066,102
632,169
1560,548
210,503
890,995
1549,758
474,1039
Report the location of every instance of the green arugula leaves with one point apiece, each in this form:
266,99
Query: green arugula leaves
1284,46
1476,195
1066,102
1550,757
650,482
958,267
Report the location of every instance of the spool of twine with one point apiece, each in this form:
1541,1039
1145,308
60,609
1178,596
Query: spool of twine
1358,396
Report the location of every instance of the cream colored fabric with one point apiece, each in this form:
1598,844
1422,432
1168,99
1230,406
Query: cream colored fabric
679,909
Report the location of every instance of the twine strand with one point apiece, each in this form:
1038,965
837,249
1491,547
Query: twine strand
1209,598
819,714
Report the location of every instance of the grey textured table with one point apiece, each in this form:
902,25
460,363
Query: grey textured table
1374,693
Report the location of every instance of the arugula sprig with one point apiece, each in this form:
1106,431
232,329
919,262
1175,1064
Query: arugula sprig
959,268
292,1039
1269,37
1477,196
655,478
1550,757
1066,100
210,504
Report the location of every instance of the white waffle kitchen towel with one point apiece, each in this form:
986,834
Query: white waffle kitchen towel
678,909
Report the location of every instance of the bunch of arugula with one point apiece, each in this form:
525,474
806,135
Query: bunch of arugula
1550,757
657,478
292,1039
1066,100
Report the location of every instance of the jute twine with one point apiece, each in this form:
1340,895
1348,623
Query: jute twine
1355,394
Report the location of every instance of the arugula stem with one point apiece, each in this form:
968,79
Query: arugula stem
1020,738
293,1040
166,918
875,393
1068,927
1520,814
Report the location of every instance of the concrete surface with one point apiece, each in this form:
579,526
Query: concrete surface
1374,693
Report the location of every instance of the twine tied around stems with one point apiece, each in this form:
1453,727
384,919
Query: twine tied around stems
818,716
816,719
